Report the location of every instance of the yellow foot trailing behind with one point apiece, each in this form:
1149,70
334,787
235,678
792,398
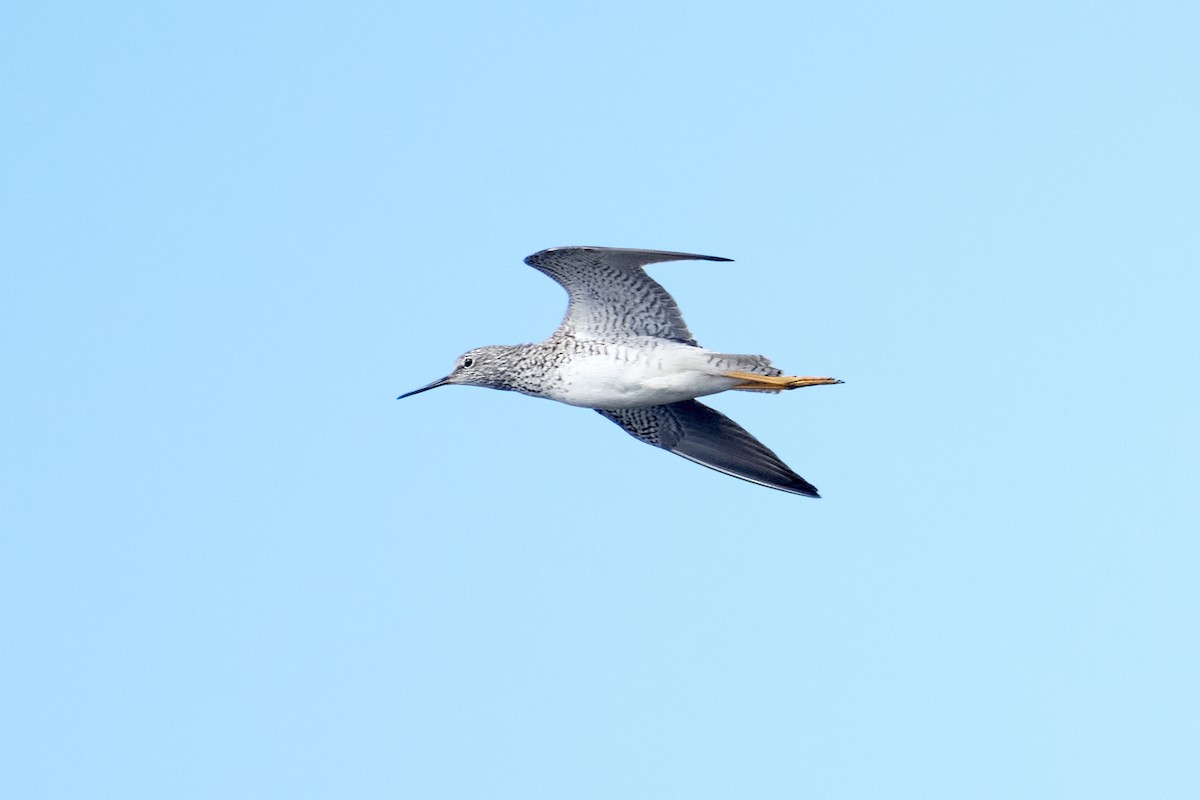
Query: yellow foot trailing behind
771,383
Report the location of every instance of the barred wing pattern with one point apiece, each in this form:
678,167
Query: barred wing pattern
698,433
611,296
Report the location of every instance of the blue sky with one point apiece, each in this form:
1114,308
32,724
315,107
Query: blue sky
234,566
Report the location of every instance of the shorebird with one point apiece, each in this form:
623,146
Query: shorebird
624,350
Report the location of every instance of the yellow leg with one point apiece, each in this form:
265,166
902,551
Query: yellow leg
771,383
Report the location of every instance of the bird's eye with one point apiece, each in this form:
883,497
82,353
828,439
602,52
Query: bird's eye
468,361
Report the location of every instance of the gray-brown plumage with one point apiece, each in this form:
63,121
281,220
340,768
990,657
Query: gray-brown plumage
624,350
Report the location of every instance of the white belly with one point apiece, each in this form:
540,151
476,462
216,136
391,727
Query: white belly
631,378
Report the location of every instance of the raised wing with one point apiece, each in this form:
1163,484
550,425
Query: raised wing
708,437
611,295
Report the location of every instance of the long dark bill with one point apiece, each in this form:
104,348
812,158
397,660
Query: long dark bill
434,385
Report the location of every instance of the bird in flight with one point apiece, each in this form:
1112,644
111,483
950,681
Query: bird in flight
624,350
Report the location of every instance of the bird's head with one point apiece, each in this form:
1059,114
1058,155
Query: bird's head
483,366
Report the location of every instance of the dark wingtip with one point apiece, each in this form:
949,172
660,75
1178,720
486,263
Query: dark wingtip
534,259
806,489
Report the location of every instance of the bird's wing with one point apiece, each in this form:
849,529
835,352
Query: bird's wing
611,295
700,434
